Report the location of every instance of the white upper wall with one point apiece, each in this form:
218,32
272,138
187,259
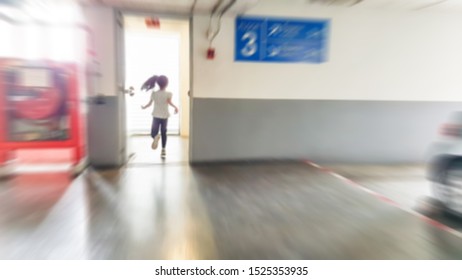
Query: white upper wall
374,55
101,21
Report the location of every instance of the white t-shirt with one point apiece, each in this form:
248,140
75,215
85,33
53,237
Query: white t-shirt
160,99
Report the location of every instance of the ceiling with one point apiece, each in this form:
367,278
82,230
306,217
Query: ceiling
184,7
431,5
205,6
181,7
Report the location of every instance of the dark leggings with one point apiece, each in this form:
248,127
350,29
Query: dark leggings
162,123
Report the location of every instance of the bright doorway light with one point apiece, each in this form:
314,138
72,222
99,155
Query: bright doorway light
150,53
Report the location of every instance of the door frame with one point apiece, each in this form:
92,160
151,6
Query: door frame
189,19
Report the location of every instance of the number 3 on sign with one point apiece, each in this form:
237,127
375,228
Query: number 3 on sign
250,47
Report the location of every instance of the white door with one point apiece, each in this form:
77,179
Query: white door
120,84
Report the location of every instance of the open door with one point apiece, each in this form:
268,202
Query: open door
120,84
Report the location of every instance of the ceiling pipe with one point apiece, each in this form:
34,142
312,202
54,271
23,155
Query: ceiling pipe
223,11
216,6
356,3
193,8
212,14
430,5
334,2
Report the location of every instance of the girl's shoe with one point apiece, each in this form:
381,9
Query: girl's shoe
155,142
163,153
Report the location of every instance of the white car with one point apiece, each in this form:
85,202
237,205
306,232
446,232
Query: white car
445,165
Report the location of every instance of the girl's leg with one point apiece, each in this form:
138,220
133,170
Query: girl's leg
155,127
163,131
154,132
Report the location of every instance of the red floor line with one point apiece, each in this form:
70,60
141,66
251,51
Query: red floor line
387,200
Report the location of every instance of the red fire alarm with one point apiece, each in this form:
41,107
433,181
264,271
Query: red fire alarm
152,23
210,53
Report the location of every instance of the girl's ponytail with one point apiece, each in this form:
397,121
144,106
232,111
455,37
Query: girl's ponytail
150,83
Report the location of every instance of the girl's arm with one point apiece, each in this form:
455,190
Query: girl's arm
147,105
173,105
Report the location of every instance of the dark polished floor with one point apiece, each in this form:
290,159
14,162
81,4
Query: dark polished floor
234,211
404,184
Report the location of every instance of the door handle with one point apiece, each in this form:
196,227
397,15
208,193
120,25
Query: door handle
130,90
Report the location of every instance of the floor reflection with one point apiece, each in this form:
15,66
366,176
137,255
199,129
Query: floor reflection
225,211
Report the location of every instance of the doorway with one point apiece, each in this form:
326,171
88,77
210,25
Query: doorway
160,49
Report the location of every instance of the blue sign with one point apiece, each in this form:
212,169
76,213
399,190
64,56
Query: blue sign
281,40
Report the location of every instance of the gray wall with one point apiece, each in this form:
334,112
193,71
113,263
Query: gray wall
106,131
319,130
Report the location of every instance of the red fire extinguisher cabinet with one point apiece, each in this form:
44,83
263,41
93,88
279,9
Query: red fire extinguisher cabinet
47,96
